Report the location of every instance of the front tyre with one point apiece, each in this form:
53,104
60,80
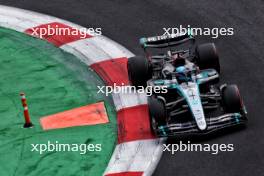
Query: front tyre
139,70
157,113
231,99
207,57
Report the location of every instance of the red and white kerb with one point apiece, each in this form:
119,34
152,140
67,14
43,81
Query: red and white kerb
138,151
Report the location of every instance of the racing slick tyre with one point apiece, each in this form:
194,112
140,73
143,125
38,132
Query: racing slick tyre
231,99
139,70
157,112
207,56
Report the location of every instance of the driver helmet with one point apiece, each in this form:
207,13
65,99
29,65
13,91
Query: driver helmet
181,70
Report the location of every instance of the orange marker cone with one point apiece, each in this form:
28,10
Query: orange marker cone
28,123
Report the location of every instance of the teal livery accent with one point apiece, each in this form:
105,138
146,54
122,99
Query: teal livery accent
159,82
162,129
142,41
237,117
180,69
203,75
189,32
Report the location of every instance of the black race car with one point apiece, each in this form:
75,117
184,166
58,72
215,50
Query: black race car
194,103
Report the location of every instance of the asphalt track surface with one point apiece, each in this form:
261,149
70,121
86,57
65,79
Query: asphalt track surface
125,21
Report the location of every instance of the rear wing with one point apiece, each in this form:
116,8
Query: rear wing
164,40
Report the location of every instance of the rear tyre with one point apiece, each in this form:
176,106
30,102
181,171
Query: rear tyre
157,112
139,70
207,57
231,99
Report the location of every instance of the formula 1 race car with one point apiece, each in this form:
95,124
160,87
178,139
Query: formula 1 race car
194,103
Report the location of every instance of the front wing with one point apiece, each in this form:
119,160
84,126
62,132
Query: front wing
190,128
